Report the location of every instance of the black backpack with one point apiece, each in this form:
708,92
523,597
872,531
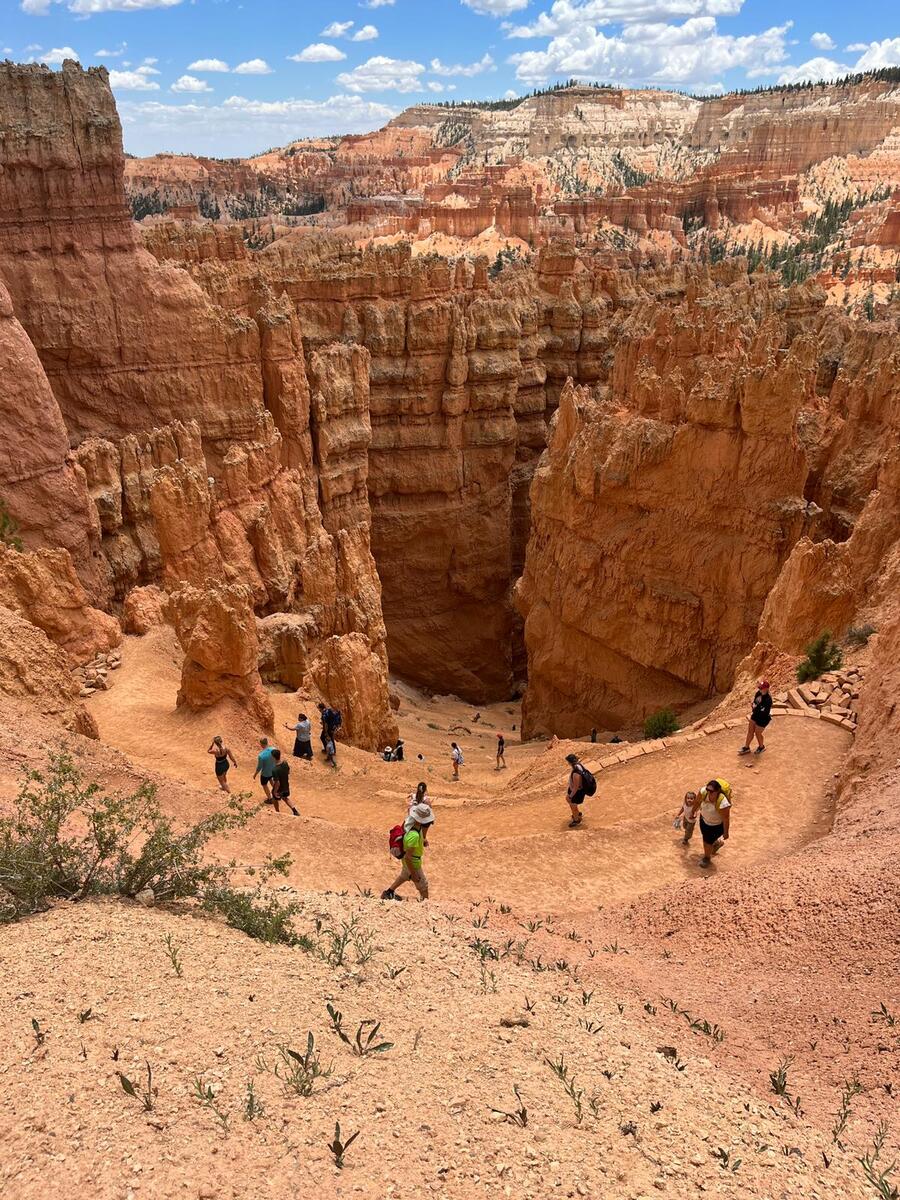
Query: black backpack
588,782
336,719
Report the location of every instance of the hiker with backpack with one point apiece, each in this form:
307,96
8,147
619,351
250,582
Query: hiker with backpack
715,817
412,849
581,784
456,756
332,720
760,716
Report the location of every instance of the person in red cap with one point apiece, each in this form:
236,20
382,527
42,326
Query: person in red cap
760,716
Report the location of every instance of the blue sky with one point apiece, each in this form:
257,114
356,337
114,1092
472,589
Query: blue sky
229,77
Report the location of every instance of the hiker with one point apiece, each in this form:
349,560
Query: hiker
457,757
413,849
575,792
224,760
331,723
397,752
501,751
715,816
420,796
760,716
330,751
281,782
686,817
265,766
302,736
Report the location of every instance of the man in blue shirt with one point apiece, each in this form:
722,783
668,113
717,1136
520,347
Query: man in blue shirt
265,766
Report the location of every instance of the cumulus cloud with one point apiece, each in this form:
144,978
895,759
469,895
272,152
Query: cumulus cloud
240,126
653,52
822,41
318,52
209,64
123,46
812,70
380,74
885,53
366,34
485,63
56,57
86,8
134,81
376,3
336,29
253,66
496,8
567,15
190,83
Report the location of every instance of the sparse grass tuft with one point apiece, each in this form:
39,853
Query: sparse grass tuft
519,1115
299,1072
339,1147
561,1070
145,1092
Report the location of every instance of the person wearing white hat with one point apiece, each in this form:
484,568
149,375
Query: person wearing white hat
413,848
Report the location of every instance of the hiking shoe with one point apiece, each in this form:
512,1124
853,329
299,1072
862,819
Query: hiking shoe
705,862
388,895
744,750
296,812
760,749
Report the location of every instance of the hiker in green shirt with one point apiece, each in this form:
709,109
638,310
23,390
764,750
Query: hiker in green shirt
413,849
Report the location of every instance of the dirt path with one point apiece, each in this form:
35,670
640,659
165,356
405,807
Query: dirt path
496,834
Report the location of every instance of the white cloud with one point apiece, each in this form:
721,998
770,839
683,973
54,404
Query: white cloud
653,53
134,81
208,64
376,3
55,58
880,54
496,8
336,29
239,126
485,63
190,83
253,66
380,74
568,15
510,94
123,46
318,52
811,71
366,34
857,46
822,41
434,86
86,8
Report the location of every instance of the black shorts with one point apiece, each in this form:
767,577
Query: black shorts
710,833
222,765
578,798
264,779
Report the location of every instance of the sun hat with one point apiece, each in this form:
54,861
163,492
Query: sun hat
422,814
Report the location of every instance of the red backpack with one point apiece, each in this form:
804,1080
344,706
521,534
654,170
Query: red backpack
395,841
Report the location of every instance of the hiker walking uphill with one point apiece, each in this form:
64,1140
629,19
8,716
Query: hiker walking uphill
413,849
760,716
581,784
715,817
501,752
281,785
265,765
224,759
302,728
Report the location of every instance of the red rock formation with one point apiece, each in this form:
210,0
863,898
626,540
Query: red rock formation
38,675
217,631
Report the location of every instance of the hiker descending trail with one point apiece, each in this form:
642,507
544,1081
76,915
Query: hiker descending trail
714,802
760,716
414,844
581,784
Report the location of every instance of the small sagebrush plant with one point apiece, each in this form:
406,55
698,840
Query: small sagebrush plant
661,724
823,654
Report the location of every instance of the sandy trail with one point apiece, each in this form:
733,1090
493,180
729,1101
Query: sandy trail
501,834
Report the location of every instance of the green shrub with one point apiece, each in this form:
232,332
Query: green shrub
265,918
824,654
9,529
67,839
661,724
858,635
